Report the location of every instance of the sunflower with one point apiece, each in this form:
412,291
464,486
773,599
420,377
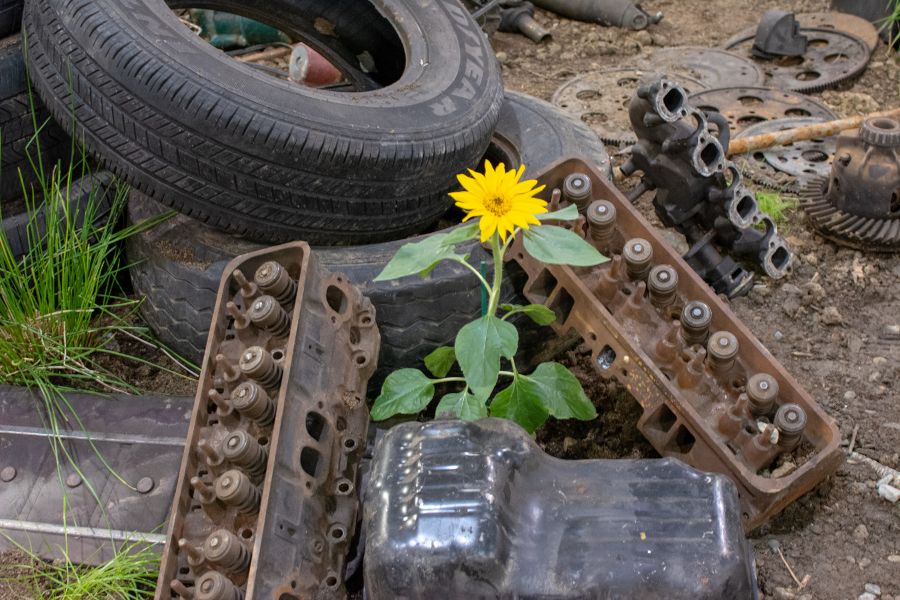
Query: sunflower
499,199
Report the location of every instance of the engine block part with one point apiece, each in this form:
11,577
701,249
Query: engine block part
858,203
477,510
695,400
698,191
276,436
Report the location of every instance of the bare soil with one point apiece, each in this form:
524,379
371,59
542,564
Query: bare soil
827,322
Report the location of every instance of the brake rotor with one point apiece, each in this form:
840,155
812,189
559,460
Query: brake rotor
712,67
831,57
746,106
601,98
791,167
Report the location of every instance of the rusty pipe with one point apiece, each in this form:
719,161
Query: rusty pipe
618,13
807,132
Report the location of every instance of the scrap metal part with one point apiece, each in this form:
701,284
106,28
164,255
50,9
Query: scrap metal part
841,21
126,448
518,17
265,504
711,394
617,13
600,98
744,106
460,509
698,191
486,13
778,34
858,203
790,167
831,58
712,67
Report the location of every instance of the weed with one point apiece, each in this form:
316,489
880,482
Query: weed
775,206
890,24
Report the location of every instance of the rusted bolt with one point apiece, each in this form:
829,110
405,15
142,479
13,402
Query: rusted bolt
8,474
662,283
577,190
257,363
762,390
145,485
73,480
273,279
637,254
252,402
695,320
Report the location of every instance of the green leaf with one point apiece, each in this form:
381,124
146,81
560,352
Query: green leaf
405,392
479,346
557,246
561,392
569,213
440,361
417,257
463,233
462,405
539,313
520,402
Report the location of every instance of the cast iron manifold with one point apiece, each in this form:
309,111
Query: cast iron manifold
699,191
859,204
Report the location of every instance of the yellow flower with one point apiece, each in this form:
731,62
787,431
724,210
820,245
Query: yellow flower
499,199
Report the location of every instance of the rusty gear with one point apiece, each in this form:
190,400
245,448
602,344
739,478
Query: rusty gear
712,67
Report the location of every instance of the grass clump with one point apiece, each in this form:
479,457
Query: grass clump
775,206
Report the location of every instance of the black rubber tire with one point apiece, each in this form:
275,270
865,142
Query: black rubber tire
264,158
10,16
176,267
17,119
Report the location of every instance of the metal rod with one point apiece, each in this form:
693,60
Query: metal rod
807,132
116,535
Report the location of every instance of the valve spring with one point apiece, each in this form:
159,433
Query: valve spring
252,402
762,391
225,551
577,190
721,351
257,363
212,585
273,279
637,254
695,320
234,488
790,419
601,217
663,284
245,452
266,313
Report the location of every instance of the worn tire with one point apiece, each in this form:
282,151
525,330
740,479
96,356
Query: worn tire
10,16
17,119
254,155
176,267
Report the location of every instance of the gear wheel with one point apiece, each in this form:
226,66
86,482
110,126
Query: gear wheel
712,67
831,58
600,99
884,133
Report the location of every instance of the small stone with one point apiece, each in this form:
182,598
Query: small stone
866,596
784,594
861,533
894,558
889,493
791,289
864,562
831,316
643,38
569,443
849,396
811,259
502,57
813,293
879,361
784,469
805,597
773,544
874,376
873,589
855,344
778,336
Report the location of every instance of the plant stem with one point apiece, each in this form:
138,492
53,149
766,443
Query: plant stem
498,273
448,379
477,274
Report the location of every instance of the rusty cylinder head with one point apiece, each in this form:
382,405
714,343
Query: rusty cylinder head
662,283
266,313
577,190
762,391
790,419
225,551
273,279
245,452
252,402
637,254
234,488
721,350
695,320
257,363
601,218
212,585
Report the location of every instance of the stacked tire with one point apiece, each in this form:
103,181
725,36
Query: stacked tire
248,159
